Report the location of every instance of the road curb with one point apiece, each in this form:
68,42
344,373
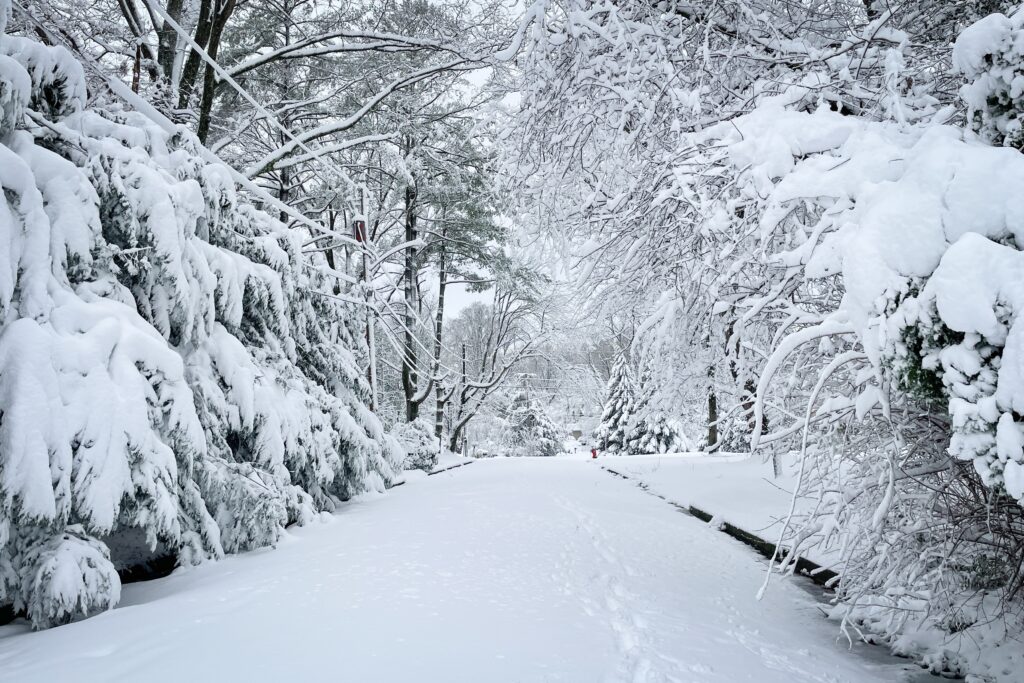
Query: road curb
820,575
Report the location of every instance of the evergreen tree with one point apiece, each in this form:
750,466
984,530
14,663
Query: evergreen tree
613,431
531,430
655,433
170,362
650,430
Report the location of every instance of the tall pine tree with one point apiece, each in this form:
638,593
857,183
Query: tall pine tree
650,430
619,406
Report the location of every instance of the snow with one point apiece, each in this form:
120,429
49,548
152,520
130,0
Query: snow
167,363
420,445
519,569
736,487
921,224
447,460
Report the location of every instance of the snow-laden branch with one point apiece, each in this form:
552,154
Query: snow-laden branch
302,139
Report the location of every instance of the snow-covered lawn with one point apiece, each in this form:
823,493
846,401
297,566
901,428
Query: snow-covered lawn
507,570
735,488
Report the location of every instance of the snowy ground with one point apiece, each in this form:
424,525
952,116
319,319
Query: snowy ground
736,488
504,570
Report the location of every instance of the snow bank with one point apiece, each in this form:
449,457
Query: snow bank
167,363
736,488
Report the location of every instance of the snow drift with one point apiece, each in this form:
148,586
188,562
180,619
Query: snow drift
168,364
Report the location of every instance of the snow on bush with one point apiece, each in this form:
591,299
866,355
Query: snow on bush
65,576
419,443
656,433
167,363
907,237
990,53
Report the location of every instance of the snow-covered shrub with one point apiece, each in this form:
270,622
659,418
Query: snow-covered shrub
167,363
63,577
419,443
990,53
655,432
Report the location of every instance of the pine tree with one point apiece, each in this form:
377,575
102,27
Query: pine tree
650,430
531,431
169,362
612,432
655,433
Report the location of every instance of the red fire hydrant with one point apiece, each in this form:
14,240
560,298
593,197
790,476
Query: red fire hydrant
593,453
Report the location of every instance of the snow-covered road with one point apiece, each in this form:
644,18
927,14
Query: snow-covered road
506,570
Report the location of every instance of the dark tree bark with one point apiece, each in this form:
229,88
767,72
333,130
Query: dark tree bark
167,40
223,12
410,373
442,283
189,74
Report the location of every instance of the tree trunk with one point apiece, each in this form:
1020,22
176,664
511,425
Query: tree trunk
712,444
167,42
131,17
457,423
137,69
410,376
442,283
222,14
187,82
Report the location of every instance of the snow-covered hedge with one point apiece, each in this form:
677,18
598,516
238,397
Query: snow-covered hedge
166,361
421,446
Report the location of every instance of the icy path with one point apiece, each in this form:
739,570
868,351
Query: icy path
506,570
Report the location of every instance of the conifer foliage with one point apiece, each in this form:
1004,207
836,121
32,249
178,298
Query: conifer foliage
169,363
650,429
531,431
613,431
656,433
